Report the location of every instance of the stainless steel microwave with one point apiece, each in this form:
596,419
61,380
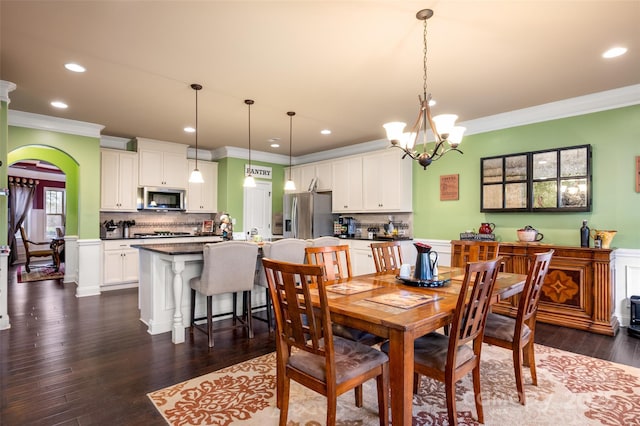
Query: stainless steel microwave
161,199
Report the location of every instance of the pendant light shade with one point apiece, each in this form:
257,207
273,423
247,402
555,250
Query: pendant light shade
196,176
249,181
290,185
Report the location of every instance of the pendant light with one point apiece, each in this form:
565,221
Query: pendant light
249,181
196,176
290,185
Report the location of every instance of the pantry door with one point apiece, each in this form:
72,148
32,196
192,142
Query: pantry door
257,209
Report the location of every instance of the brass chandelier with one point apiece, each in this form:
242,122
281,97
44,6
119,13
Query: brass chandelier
448,136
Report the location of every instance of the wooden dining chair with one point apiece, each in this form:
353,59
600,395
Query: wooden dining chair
335,260
449,358
517,334
473,251
31,251
228,267
308,352
387,255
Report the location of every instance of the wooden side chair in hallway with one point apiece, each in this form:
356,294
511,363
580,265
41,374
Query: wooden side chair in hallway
450,358
473,251
327,364
229,267
288,250
387,255
517,334
31,250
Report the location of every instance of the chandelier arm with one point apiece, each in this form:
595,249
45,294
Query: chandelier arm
434,158
415,130
425,105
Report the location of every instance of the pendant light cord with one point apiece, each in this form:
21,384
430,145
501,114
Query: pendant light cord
290,114
249,102
197,88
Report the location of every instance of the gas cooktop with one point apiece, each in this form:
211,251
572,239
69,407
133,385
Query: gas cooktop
161,234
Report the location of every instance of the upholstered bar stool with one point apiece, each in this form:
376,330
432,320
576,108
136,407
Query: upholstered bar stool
229,267
287,250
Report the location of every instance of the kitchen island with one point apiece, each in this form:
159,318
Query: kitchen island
164,292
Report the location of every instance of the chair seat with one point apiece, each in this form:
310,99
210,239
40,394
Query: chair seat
353,359
356,335
431,351
502,327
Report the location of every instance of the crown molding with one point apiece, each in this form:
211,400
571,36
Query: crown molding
581,105
5,88
114,142
35,174
53,124
243,153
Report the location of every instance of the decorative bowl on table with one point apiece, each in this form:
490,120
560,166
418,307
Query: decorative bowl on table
529,234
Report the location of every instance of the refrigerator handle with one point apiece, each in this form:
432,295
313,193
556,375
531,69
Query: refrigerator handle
294,217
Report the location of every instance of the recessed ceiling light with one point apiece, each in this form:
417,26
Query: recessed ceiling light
325,132
614,52
59,104
75,67
275,145
189,129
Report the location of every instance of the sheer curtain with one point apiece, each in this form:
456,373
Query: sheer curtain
21,192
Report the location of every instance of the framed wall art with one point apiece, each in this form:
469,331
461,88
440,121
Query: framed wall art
550,180
449,187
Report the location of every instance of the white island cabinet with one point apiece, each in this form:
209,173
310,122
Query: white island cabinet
162,164
164,292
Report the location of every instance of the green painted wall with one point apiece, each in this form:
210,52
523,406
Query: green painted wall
79,158
615,139
231,192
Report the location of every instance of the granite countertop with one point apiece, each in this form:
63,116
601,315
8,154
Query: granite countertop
379,238
173,249
159,237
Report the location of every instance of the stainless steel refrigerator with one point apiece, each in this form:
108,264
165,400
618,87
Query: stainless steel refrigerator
307,215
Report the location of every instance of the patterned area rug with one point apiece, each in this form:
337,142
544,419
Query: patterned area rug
39,273
572,390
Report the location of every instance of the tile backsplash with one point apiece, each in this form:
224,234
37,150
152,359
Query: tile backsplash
403,222
166,221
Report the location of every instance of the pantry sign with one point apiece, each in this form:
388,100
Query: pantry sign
259,172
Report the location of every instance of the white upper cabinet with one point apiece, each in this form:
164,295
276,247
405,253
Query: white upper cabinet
347,187
203,197
162,164
387,182
118,180
324,174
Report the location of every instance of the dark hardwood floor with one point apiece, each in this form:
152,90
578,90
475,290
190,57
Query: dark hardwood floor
90,361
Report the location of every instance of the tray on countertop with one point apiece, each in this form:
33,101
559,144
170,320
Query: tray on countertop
414,282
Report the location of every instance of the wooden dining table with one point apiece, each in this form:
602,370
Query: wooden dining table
387,307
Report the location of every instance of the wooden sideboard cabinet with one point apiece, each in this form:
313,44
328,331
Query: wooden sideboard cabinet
578,291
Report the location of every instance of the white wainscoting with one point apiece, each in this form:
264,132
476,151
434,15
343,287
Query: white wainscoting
626,266
4,280
88,267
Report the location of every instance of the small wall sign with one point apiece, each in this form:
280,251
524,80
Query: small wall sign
260,172
448,187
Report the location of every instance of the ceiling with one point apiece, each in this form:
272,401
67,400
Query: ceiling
347,66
